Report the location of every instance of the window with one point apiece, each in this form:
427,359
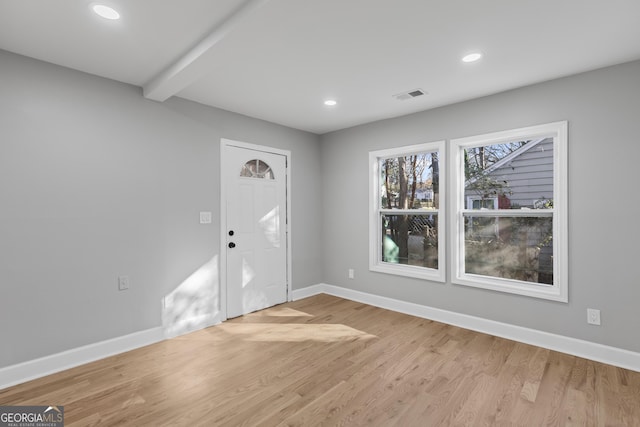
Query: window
406,223
479,202
256,169
509,209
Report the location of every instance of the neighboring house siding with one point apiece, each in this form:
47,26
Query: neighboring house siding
529,175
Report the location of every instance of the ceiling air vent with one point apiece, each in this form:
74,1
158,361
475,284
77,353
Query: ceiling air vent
410,94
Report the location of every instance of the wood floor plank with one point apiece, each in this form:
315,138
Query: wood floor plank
327,361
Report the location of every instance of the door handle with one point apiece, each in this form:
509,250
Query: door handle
232,245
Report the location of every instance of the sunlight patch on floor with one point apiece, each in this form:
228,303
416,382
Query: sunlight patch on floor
280,312
292,332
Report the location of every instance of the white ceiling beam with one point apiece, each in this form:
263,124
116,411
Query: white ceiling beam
193,65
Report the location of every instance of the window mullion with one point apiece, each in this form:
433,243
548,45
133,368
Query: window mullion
508,212
408,211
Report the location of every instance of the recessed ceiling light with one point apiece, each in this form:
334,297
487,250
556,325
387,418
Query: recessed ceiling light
472,57
330,102
106,12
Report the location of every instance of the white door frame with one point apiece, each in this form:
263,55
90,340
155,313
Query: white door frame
224,143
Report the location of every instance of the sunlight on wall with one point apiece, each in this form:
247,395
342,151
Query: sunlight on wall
195,303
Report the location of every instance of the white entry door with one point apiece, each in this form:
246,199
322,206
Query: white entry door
256,229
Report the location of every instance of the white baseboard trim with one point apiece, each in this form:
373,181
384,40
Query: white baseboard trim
309,291
32,369
576,347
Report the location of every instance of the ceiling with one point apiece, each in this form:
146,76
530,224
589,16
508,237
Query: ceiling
278,60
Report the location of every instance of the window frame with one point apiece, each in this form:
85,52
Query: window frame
558,291
376,211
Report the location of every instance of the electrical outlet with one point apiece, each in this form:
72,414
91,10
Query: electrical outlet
123,283
593,316
351,273
205,217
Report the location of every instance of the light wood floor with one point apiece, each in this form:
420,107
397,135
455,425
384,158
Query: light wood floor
328,361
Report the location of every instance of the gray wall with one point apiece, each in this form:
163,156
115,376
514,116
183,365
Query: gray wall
97,182
602,108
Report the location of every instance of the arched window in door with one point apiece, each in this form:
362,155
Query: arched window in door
257,169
